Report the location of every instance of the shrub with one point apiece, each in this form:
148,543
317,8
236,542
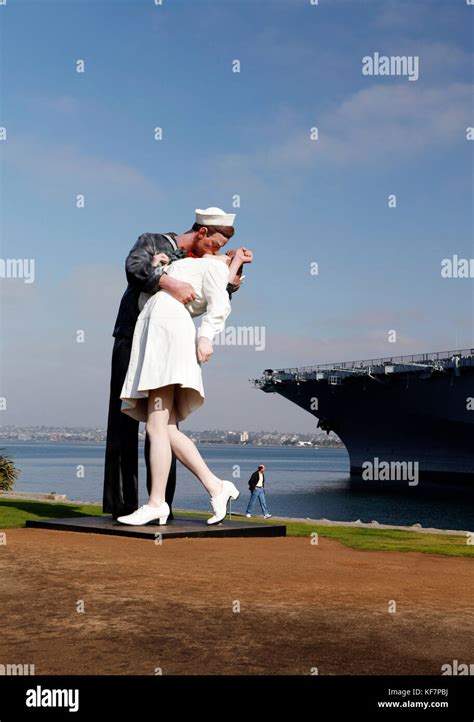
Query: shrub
8,472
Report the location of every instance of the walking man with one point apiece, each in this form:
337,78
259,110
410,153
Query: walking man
256,486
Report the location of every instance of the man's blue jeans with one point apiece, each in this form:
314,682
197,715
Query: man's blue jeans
257,493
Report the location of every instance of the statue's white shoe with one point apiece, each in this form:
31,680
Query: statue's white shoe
219,502
146,514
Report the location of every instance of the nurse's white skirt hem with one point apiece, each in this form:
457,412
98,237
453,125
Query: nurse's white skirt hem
186,400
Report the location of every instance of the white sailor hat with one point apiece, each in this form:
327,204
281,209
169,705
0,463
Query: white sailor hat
214,217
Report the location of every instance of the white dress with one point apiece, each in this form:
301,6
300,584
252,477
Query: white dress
164,341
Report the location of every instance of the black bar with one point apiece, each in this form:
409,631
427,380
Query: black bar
312,697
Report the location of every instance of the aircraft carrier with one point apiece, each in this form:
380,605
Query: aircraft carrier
417,408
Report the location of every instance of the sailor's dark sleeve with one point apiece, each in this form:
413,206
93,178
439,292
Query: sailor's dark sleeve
231,289
140,272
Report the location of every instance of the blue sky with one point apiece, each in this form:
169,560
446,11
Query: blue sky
228,133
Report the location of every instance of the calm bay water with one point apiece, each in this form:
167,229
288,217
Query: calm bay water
300,482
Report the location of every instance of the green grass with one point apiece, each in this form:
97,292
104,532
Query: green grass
388,539
15,513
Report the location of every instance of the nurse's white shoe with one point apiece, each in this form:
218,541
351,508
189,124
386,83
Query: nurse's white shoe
219,502
146,514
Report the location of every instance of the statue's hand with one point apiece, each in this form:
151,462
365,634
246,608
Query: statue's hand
204,349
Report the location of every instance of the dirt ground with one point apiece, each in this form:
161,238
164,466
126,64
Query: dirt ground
174,606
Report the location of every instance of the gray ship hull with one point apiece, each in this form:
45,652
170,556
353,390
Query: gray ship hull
392,411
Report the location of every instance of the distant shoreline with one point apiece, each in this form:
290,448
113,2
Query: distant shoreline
98,442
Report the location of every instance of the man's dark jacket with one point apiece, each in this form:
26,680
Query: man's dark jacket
143,277
253,481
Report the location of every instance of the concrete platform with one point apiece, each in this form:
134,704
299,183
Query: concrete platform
179,527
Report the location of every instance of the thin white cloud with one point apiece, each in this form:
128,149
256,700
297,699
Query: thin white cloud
288,351
381,123
401,15
62,104
395,122
50,165
374,318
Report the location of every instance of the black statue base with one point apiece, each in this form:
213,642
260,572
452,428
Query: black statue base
181,526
